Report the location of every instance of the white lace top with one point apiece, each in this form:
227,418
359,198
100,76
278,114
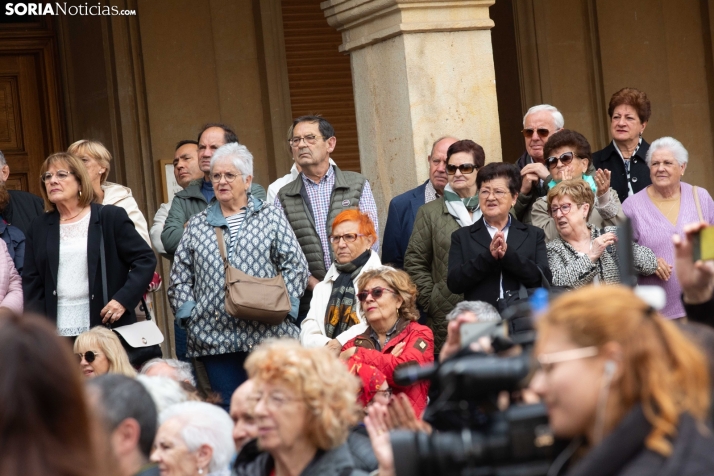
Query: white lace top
73,279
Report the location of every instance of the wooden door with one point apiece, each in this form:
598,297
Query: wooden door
21,136
30,120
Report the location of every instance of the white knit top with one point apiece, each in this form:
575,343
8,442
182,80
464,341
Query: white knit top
73,279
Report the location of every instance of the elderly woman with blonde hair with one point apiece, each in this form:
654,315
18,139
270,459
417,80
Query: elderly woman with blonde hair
306,405
393,337
582,253
99,352
626,386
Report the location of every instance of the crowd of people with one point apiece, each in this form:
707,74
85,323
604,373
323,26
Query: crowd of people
292,318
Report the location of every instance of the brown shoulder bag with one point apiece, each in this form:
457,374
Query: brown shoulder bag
249,298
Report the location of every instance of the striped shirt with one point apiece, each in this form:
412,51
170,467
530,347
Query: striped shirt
319,194
234,223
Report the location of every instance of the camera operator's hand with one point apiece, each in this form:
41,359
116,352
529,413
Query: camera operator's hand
378,431
453,335
696,279
401,416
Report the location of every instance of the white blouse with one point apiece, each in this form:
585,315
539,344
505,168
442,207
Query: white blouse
73,279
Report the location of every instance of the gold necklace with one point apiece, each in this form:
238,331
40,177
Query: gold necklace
72,218
660,202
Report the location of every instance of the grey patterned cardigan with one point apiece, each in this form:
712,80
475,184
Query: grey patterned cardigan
572,269
265,243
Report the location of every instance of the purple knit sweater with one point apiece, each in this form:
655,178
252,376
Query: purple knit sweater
653,230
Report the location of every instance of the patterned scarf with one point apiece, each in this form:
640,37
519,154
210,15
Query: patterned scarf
342,308
459,207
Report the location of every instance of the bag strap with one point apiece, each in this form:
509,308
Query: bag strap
696,202
221,242
102,259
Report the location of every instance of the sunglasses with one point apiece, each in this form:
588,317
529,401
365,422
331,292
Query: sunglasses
375,292
89,356
564,159
528,133
464,168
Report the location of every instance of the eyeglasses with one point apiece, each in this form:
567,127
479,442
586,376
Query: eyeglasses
564,209
548,361
375,292
528,133
348,237
89,356
387,393
499,194
61,175
565,159
274,401
230,177
464,168
309,140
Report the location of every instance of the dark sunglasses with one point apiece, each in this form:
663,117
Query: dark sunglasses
89,356
528,133
464,168
564,159
375,292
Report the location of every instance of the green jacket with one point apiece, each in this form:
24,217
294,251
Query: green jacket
186,204
293,198
427,263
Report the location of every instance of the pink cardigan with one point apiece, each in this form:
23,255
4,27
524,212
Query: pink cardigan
10,282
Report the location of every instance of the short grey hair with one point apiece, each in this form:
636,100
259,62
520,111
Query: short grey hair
671,144
204,424
483,311
557,115
164,391
3,161
237,154
183,369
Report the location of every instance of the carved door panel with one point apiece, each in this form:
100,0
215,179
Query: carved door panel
22,137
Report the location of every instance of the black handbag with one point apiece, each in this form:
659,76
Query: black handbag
141,340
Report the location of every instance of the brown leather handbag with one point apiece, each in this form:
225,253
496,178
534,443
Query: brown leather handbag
249,298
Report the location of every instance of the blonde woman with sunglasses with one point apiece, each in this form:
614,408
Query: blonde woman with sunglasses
99,352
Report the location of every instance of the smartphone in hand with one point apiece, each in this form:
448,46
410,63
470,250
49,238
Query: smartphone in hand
703,244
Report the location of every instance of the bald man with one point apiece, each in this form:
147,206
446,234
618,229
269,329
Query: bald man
242,404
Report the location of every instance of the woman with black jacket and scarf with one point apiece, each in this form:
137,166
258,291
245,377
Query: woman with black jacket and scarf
624,157
62,275
625,385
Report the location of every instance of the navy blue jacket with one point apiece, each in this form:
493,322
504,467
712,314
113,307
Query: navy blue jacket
400,222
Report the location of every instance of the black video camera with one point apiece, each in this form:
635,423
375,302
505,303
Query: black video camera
475,437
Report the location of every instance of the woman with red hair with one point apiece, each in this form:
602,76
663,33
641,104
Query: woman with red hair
335,316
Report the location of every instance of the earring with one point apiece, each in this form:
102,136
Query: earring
80,193
200,471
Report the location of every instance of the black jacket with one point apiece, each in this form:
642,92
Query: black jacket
702,313
22,208
474,272
335,462
623,453
129,259
609,158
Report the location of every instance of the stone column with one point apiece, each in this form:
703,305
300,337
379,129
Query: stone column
421,69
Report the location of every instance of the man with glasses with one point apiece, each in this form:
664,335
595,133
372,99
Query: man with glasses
196,197
403,208
539,123
321,191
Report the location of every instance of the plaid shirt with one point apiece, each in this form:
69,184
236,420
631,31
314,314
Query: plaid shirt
319,194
